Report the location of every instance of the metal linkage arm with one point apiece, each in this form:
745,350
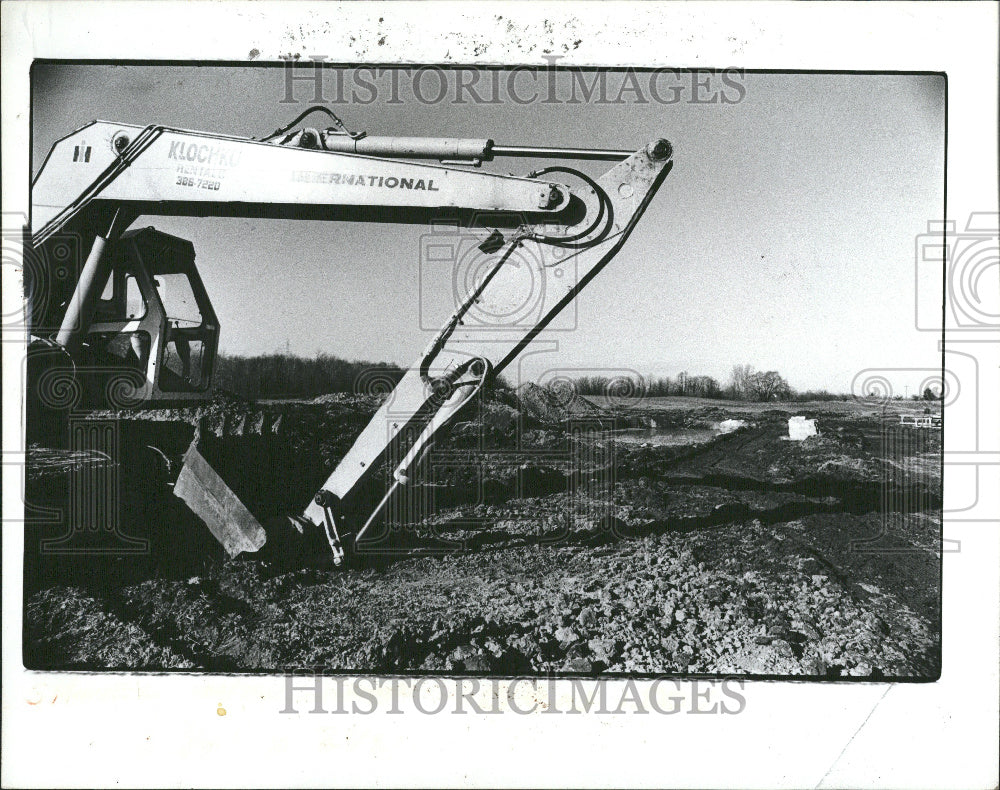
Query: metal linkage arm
445,149
481,339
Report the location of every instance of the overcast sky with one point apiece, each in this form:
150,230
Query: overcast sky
784,237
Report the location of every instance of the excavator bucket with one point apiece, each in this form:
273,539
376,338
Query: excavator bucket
211,499
243,473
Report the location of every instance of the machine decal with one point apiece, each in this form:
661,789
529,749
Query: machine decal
201,171
204,154
201,183
356,179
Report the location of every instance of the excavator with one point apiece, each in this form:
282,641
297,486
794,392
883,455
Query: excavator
115,315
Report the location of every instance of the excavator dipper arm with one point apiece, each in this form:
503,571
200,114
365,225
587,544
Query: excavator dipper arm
480,339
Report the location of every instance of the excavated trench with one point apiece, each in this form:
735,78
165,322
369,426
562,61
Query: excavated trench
275,463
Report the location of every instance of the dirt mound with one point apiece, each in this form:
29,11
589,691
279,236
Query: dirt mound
84,634
556,403
350,401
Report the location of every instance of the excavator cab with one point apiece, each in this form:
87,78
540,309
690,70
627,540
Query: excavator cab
155,317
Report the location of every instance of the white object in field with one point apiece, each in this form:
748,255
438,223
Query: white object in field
728,426
921,421
800,428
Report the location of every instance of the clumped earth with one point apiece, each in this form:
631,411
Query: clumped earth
548,533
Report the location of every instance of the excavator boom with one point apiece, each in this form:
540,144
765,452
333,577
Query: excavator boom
161,170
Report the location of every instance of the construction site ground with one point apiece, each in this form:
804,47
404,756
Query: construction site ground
546,534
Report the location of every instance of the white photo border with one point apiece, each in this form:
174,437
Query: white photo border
73,729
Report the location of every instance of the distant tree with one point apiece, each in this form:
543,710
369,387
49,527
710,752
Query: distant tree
765,386
658,387
702,386
931,394
809,395
738,380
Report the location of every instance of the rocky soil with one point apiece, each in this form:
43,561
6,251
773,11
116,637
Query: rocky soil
546,535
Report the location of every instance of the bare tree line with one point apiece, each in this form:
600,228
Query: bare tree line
287,376
284,375
744,383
